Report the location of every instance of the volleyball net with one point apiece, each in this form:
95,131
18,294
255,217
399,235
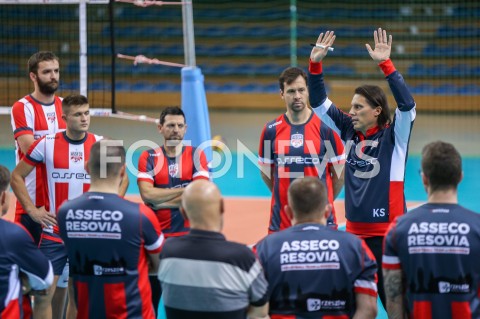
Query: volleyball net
70,29
129,55
83,34
241,46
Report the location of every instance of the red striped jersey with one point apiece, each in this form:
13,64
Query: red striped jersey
155,167
29,116
107,240
375,162
18,253
294,151
436,246
65,174
314,271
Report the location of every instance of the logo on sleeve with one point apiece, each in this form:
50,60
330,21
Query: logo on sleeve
275,124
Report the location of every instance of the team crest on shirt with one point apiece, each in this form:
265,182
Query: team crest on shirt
173,170
296,140
51,117
76,156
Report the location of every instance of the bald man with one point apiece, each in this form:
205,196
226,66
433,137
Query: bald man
314,271
220,279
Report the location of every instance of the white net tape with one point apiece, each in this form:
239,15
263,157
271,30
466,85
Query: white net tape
147,3
143,59
102,113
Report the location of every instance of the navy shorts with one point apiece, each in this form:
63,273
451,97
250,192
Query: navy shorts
57,254
34,228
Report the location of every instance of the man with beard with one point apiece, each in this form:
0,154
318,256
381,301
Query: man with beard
163,174
34,116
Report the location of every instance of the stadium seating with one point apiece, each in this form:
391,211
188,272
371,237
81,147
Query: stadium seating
7,68
242,47
445,89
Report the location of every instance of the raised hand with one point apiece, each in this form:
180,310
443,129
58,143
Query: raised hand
317,53
383,46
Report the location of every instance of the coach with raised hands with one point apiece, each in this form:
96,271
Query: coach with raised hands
376,145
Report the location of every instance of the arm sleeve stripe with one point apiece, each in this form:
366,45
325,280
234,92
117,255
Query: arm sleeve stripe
155,247
30,160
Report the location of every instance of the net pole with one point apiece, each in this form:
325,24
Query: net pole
188,35
82,9
194,100
113,53
293,33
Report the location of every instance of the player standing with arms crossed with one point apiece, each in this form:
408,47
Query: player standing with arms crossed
163,174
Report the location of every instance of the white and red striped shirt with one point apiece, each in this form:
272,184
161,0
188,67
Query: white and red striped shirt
65,174
29,116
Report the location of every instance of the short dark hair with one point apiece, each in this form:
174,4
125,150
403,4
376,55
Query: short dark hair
38,57
441,165
99,153
73,100
171,110
289,75
375,96
4,178
307,195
